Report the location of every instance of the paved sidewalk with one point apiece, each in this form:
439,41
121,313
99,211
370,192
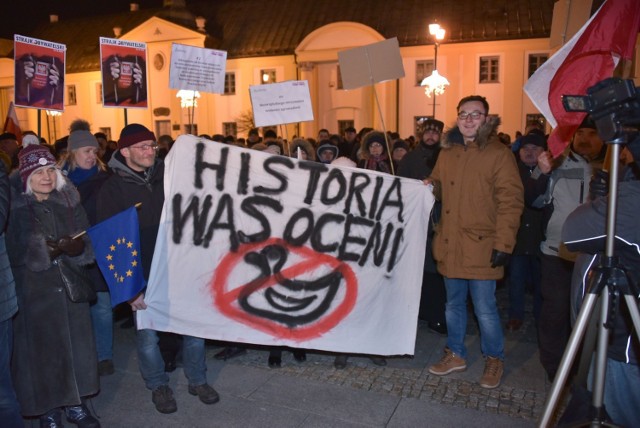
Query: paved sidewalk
315,394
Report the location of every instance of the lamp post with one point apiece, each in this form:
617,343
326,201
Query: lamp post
435,84
189,100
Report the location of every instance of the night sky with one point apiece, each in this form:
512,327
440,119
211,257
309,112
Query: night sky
24,15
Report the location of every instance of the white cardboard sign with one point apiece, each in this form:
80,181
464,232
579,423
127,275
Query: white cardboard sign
280,103
197,69
375,63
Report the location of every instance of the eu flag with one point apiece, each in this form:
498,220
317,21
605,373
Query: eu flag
116,243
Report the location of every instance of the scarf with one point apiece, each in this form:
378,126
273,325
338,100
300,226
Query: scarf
380,163
79,175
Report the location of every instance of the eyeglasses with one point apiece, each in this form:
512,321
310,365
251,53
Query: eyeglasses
145,147
475,115
375,145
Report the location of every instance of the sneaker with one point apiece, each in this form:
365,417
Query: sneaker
205,393
340,362
105,368
163,399
51,419
80,416
449,363
493,369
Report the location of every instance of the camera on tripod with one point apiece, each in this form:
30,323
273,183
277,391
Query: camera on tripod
614,105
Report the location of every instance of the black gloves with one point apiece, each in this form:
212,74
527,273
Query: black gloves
67,245
498,258
599,184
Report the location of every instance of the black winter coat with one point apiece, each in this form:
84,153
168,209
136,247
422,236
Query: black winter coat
126,188
54,354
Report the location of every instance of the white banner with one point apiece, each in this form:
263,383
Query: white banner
197,69
266,249
280,103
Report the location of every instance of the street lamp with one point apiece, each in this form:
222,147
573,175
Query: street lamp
435,84
189,100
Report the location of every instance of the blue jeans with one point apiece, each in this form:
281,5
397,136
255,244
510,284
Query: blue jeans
621,392
152,365
523,269
484,303
9,407
102,318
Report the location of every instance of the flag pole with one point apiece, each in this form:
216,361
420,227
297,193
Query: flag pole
84,232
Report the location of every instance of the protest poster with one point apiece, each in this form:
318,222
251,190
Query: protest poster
280,103
39,73
197,69
270,250
124,73
374,63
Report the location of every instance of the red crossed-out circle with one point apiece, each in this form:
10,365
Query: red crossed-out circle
226,299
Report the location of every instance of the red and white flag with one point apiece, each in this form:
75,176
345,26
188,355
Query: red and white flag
11,123
589,57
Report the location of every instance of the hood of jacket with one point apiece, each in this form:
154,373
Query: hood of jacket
485,132
118,165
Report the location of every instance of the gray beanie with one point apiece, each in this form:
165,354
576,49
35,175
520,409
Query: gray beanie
81,138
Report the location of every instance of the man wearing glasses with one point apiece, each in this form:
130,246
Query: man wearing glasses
138,177
476,179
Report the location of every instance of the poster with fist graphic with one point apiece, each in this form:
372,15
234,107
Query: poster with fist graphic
39,73
124,73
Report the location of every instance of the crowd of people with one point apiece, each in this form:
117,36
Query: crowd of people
499,215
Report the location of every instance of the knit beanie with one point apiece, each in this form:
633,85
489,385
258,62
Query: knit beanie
79,139
133,134
32,158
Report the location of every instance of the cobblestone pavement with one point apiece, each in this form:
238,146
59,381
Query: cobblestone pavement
409,377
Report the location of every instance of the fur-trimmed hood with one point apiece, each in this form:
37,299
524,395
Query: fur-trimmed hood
486,131
27,243
304,145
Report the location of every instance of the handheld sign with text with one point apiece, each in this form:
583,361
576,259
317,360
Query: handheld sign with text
280,103
124,73
267,249
39,73
197,69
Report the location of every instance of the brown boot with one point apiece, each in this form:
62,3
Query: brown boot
493,369
449,363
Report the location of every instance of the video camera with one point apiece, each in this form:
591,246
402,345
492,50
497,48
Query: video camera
614,105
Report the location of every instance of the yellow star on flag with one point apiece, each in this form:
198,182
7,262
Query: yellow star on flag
134,263
129,272
134,253
111,266
129,244
112,247
109,257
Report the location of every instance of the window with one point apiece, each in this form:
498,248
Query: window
230,128
267,76
71,95
163,127
106,131
536,121
489,69
230,83
535,61
424,68
344,124
99,93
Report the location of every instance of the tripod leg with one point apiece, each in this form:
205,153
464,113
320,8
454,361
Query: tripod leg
633,310
601,359
567,359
